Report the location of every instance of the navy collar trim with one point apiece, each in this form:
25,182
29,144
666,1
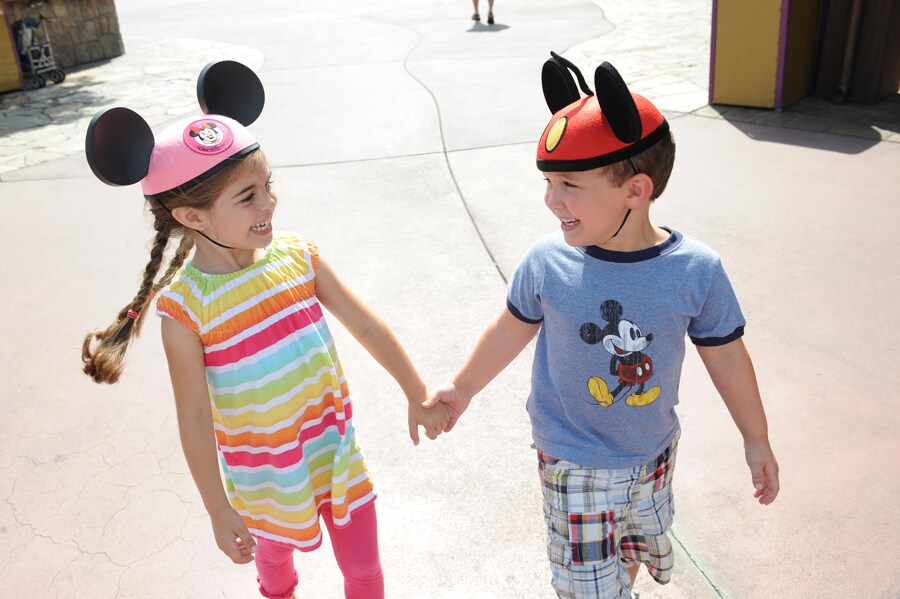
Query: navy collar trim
640,255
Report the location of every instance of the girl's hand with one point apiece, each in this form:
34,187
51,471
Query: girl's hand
454,399
432,419
232,535
763,469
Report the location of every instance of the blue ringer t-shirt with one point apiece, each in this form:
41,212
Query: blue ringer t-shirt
608,359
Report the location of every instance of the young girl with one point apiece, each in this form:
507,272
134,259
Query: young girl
253,365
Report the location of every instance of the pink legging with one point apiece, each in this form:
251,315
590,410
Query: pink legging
355,549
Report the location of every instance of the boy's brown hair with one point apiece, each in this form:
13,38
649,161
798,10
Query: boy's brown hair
656,162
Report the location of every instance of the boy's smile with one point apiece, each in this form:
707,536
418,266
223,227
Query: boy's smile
590,208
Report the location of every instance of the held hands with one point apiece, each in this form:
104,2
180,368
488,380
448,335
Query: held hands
430,417
232,535
454,400
763,469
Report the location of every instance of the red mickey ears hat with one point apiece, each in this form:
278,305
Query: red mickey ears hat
590,132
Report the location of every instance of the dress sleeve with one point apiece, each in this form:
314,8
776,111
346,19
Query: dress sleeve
313,255
720,320
171,304
523,295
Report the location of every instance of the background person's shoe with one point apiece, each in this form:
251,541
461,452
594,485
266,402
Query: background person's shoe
490,18
476,17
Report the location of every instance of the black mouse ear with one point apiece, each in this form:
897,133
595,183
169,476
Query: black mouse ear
118,146
559,87
231,89
617,104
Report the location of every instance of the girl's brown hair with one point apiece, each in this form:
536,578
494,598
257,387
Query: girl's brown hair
106,360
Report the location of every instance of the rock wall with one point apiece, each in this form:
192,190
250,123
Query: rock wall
81,31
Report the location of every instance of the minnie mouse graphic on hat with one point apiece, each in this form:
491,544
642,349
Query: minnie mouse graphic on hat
122,150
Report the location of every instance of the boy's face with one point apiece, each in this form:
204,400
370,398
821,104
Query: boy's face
589,206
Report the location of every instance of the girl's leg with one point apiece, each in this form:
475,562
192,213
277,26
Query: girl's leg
356,550
275,567
475,15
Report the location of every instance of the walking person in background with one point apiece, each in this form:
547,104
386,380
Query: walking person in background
477,17
253,365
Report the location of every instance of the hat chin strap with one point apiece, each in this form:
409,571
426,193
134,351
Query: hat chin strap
228,247
627,214
210,239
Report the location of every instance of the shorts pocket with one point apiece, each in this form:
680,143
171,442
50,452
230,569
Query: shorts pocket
656,512
558,549
592,537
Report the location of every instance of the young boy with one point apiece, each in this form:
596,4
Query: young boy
612,298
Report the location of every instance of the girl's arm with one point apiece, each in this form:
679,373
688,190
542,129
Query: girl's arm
501,342
375,336
731,371
187,370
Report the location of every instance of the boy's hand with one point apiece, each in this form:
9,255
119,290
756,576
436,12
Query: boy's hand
232,535
763,469
432,419
455,400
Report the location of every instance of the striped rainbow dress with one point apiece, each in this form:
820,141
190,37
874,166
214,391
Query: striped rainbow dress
281,409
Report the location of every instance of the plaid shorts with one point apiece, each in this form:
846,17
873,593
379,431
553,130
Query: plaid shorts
601,522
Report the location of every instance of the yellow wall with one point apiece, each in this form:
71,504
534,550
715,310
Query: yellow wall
801,50
746,68
9,64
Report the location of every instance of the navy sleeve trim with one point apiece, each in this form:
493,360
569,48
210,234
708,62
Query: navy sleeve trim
520,316
714,341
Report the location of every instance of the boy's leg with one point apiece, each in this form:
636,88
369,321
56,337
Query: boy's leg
356,551
582,510
276,575
633,572
645,532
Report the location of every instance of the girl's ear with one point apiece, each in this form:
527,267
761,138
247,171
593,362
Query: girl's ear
617,104
189,217
559,86
231,89
118,146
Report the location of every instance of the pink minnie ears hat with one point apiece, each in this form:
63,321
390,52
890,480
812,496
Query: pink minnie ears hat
121,148
597,130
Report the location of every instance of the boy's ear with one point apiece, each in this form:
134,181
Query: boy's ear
640,190
189,217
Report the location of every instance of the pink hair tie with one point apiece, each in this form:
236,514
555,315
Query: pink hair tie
133,315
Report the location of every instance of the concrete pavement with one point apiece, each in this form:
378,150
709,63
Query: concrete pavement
403,139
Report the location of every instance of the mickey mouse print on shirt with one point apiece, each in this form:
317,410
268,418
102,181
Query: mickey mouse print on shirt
626,343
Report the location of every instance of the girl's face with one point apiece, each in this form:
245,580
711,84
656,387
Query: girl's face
241,217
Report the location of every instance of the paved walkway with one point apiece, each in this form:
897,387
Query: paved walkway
667,59
403,138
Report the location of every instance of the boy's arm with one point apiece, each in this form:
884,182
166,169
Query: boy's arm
501,342
198,441
731,371
377,339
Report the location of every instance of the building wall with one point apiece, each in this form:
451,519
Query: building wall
81,31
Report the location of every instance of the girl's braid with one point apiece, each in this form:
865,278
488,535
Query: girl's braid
105,363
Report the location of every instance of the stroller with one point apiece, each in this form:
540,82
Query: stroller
35,53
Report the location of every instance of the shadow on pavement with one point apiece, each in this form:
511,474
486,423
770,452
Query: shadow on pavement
852,128
479,27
